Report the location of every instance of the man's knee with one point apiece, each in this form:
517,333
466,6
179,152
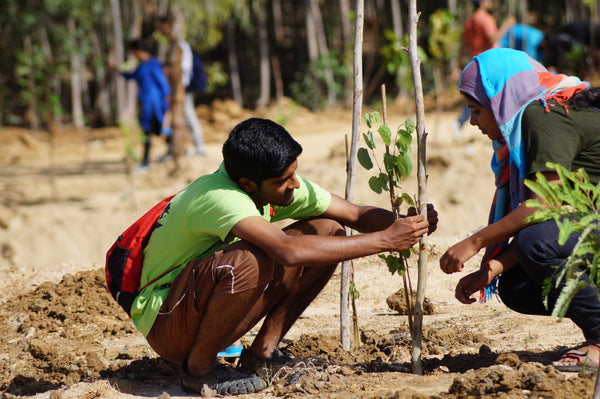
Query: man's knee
317,226
253,267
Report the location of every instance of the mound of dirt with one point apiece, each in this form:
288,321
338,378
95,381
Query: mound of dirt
61,333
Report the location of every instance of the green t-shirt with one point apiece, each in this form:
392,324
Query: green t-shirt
569,139
197,223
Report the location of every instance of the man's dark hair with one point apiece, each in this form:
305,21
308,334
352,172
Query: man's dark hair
166,19
259,149
138,44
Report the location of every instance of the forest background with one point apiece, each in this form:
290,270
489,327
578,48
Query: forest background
53,53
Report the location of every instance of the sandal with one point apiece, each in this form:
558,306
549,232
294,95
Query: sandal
266,368
584,362
222,380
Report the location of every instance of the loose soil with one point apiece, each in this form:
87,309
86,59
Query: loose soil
62,335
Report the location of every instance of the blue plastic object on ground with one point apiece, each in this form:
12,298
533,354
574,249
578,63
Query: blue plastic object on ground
231,351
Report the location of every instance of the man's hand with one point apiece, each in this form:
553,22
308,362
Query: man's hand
406,232
470,284
455,257
432,216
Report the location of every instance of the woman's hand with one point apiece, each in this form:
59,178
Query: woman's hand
455,257
432,216
470,284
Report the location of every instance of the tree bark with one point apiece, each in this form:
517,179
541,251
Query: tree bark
265,75
415,63
174,74
234,69
311,34
32,112
122,113
76,75
347,47
352,165
323,51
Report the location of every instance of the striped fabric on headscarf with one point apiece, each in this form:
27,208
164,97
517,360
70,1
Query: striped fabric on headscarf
505,81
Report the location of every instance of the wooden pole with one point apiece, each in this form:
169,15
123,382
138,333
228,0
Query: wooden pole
351,168
415,63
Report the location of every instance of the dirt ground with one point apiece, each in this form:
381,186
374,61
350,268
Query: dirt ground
62,336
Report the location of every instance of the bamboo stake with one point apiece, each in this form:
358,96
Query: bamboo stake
351,168
415,63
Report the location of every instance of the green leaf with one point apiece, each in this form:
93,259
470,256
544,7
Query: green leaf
393,263
403,165
386,134
372,118
389,161
375,184
384,181
364,158
407,198
405,136
409,125
369,140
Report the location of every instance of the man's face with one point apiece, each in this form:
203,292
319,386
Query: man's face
483,119
279,190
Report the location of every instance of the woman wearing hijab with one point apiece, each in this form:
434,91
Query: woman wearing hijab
532,117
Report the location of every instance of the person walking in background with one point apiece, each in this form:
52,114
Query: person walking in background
179,50
525,38
153,94
480,33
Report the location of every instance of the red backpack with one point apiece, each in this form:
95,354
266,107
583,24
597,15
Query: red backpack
125,258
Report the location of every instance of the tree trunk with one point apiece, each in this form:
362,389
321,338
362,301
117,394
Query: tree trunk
399,32
452,7
101,104
122,114
174,73
311,34
32,112
277,21
351,167
76,75
347,49
265,75
415,63
234,69
323,51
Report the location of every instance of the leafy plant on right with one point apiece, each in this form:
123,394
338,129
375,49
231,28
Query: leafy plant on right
574,204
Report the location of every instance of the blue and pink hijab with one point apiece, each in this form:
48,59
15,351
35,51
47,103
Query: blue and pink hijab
505,81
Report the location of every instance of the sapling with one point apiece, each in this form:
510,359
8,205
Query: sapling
393,166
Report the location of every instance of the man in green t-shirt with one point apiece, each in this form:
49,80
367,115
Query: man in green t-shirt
216,265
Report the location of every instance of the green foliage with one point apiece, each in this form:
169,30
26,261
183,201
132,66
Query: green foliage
306,91
215,76
444,38
574,204
394,165
395,57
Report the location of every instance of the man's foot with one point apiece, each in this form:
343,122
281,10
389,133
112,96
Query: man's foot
141,169
167,156
266,368
584,358
223,380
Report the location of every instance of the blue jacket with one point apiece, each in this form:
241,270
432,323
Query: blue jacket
153,91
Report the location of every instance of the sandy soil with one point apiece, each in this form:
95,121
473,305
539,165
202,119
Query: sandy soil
62,336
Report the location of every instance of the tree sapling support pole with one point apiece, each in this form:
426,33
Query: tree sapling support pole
415,63
351,168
